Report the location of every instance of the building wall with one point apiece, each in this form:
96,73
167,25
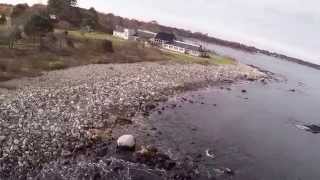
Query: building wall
174,48
121,35
194,53
127,34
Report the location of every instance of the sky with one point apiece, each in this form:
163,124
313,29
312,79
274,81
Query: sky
291,27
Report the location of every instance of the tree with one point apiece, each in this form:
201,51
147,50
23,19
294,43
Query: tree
20,14
38,25
18,10
58,7
3,19
90,19
14,34
65,10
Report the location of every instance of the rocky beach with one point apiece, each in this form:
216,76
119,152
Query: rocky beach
64,124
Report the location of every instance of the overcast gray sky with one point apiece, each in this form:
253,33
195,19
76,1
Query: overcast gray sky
286,26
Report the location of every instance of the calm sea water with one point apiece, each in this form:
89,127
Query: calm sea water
253,133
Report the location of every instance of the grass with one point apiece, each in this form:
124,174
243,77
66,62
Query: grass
93,36
29,61
212,60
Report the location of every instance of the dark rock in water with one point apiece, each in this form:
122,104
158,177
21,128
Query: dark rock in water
292,90
146,114
264,81
173,105
228,81
229,89
229,171
244,91
202,102
150,107
313,128
153,158
159,112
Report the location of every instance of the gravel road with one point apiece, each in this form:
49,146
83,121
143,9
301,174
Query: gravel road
54,115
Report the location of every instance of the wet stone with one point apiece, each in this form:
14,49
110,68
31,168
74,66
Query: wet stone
150,107
123,121
65,109
2,139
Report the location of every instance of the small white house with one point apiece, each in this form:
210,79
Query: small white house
124,33
168,41
186,48
53,17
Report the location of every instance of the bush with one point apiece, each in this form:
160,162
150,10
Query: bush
56,65
107,46
38,24
3,19
19,10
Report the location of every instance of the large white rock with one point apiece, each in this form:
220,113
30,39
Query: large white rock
126,141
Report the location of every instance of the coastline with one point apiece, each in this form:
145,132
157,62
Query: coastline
65,113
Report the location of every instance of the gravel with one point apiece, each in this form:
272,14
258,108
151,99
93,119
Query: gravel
52,116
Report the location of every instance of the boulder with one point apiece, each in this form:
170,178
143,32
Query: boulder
126,142
2,139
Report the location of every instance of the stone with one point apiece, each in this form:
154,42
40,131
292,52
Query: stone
229,171
123,121
150,107
2,139
126,142
66,153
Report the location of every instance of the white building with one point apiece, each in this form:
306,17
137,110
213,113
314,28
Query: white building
168,41
124,33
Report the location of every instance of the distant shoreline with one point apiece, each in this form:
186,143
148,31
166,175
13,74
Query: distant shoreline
252,49
108,20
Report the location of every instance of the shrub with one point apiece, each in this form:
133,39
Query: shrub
56,65
19,10
3,19
38,24
107,46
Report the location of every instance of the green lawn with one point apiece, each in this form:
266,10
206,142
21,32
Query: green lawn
212,60
93,36
177,57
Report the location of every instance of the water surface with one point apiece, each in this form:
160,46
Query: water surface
253,133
